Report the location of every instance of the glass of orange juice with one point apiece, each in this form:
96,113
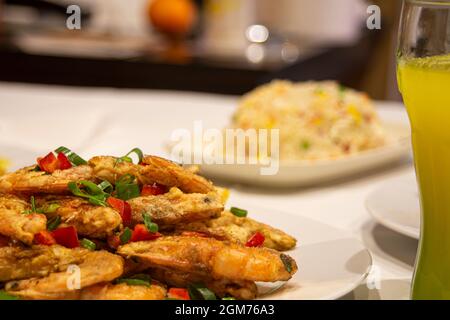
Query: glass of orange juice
423,72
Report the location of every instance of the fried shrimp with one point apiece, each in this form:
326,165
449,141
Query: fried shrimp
152,170
93,267
207,256
176,207
16,222
36,261
27,180
123,291
89,220
243,290
239,229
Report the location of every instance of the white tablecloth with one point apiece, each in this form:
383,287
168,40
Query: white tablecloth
38,118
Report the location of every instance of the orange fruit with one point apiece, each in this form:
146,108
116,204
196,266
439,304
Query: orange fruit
173,16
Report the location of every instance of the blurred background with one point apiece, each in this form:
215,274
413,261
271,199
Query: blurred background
218,46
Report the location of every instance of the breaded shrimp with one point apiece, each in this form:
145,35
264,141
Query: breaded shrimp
239,229
94,267
207,256
123,291
175,207
16,222
242,290
27,180
89,220
36,261
153,169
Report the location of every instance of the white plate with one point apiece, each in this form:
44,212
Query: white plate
302,173
396,205
331,262
17,157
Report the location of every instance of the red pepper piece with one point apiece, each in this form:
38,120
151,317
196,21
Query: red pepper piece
123,207
153,189
63,162
257,240
49,163
45,238
113,241
141,233
178,293
66,237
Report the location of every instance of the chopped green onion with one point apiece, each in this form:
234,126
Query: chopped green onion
51,208
305,145
228,298
151,226
127,158
72,156
142,276
125,236
37,169
96,196
33,204
134,282
106,186
88,244
53,223
287,262
200,292
6,296
127,187
238,212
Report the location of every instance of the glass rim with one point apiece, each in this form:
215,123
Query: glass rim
434,3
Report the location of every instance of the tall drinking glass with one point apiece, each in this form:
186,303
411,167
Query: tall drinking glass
423,72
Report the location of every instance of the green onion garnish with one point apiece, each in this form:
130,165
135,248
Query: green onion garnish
88,244
6,296
51,208
238,212
93,193
287,262
200,292
106,186
127,158
53,223
305,144
127,187
75,159
151,226
125,236
136,280
228,298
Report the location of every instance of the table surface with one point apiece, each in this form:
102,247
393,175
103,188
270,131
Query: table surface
340,204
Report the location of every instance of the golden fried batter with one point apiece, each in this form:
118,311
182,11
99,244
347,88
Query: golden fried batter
176,207
123,291
16,223
207,256
232,228
94,267
89,220
27,180
153,169
243,290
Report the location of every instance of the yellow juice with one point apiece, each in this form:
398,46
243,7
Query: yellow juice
425,86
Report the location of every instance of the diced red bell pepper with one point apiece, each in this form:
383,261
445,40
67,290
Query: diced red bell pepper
257,240
66,236
153,189
49,163
141,233
178,293
45,238
123,207
63,162
113,241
